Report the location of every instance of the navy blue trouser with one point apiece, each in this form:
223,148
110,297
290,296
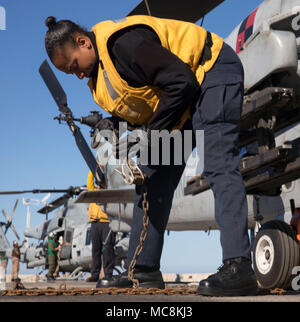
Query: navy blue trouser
217,111
99,233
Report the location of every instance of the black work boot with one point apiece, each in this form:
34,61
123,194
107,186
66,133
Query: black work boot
50,278
235,278
152,279
92,279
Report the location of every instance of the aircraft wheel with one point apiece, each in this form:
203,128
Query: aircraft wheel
276,252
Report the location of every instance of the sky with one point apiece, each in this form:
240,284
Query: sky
38,153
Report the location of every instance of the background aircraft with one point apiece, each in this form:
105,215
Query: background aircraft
69,222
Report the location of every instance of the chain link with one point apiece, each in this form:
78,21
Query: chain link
64,291
145,206
132,174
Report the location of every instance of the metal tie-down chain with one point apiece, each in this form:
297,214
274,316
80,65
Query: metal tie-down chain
62,290
132,174
145,206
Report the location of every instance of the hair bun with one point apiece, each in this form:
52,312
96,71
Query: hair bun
50,22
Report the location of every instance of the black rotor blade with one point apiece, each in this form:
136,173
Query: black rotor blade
35,191
55,204
15,192
190,10
60,98
88,157
54,87
107,196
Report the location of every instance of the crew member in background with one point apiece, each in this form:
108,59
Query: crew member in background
53,248
60,246
103,240
15,259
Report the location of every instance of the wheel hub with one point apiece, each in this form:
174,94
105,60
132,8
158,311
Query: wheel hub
264,255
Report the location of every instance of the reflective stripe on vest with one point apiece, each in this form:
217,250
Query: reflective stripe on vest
113,94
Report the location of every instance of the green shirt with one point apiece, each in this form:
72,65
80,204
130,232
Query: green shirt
51,246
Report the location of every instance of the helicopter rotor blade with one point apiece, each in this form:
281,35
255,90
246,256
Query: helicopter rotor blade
35,191
60,98
5,215
12,227
54,204
14,192
9,221
44,200
191,10
54,87
9,224
14,210
89,157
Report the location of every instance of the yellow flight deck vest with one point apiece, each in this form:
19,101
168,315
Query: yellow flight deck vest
137,105
95,211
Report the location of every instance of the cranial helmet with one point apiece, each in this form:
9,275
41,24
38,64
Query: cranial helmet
52,234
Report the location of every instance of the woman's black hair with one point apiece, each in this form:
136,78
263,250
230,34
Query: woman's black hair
59,33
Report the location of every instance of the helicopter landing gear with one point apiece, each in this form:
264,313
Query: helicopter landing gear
275,253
